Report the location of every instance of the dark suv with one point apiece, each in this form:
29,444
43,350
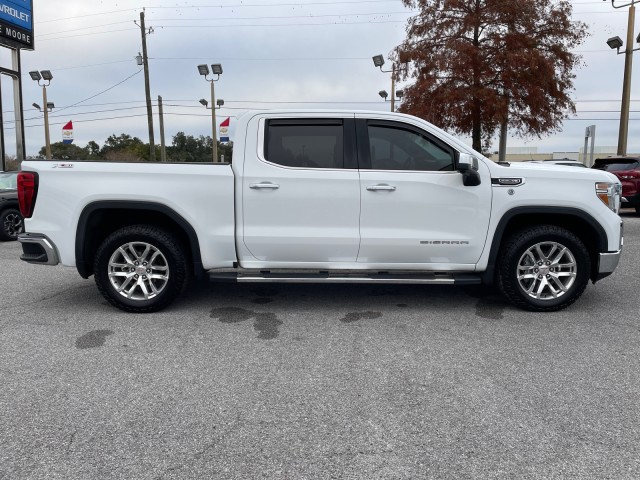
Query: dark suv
11,221
627,169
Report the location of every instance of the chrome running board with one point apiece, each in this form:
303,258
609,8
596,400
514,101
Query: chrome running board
424,278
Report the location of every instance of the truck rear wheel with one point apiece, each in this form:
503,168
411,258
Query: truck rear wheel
11,224
543,268
140,268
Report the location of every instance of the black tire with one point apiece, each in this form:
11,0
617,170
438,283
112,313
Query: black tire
545,270
142,280
11,224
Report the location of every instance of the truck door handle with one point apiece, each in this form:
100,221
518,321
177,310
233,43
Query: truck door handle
389,188
269,185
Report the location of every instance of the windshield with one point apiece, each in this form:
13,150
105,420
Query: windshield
8,181
574,164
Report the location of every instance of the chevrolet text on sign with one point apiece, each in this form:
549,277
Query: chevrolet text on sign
16,23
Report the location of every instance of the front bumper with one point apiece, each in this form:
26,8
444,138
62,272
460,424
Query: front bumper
607,263
629,201
38,249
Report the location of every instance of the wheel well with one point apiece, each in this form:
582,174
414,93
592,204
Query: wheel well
98,222
11,204
585,229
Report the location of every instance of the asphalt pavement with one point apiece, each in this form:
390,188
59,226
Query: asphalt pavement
317,381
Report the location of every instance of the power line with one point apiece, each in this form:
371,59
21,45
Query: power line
90,15
92,96
85,66
265,5
83,28
373,22
269,5
233,19
280,17
103,91
86,34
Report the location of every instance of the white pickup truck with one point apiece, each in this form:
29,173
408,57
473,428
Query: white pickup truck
326,196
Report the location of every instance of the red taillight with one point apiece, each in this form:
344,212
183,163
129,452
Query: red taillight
27,192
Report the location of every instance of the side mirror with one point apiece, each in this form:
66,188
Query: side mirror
468,166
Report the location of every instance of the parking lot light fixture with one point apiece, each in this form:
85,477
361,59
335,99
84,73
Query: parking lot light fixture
378,61
204,102
36,106
216,70
383,94
46,76
220,102
615,43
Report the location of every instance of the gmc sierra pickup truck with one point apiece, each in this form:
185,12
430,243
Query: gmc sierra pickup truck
326,196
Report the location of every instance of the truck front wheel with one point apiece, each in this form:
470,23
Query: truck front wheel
140,268
543,268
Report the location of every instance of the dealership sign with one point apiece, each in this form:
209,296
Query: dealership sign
16,23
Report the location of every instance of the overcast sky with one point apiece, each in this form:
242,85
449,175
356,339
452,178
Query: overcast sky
275,54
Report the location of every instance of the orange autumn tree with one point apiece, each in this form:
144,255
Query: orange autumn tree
474,64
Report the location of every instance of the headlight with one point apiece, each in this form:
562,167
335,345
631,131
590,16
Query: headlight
610,194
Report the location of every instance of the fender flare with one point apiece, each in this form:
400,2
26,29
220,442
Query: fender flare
489,273
85,270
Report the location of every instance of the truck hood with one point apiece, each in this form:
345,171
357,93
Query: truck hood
540,170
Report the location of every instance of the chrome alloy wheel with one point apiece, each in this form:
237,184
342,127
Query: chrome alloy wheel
547,270
13,225
138,271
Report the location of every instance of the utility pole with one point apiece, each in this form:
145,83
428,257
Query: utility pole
626,85
147,86
393,87
502,149
163,151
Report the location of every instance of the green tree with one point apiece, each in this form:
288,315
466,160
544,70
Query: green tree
475,64
226,150
187,148
94,149
123,148
65,151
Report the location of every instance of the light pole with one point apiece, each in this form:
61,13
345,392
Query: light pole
216,69
45,76
378,61
616,43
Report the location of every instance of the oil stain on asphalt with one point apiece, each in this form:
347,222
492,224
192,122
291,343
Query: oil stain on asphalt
266,324
357,316
262,300
94,339
490,305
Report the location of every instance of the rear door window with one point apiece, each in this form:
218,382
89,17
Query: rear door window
305,143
